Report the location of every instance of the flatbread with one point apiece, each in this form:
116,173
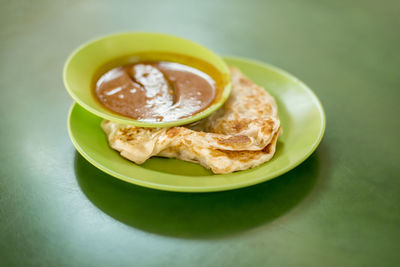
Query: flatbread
240,135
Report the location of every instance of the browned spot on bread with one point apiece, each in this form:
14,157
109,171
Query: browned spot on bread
245,82
128,134
268,108
216,153
266,129
239,125
234,140
243,155
267,149
174,131
254,99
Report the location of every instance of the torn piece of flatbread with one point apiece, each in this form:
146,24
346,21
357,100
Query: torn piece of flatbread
240,135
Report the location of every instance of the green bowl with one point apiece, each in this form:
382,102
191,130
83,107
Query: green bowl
84,63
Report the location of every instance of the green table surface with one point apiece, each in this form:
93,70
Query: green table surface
341,207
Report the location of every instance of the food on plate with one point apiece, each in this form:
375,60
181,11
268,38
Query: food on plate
158,91
240,135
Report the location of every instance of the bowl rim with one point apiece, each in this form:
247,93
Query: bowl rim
113,117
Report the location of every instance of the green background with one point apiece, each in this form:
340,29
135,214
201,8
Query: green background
341,207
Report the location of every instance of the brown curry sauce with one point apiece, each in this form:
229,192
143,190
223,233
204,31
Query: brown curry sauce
156,91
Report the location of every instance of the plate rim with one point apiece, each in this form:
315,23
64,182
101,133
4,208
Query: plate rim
224,187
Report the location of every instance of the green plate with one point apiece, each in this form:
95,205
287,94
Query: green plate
302,119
